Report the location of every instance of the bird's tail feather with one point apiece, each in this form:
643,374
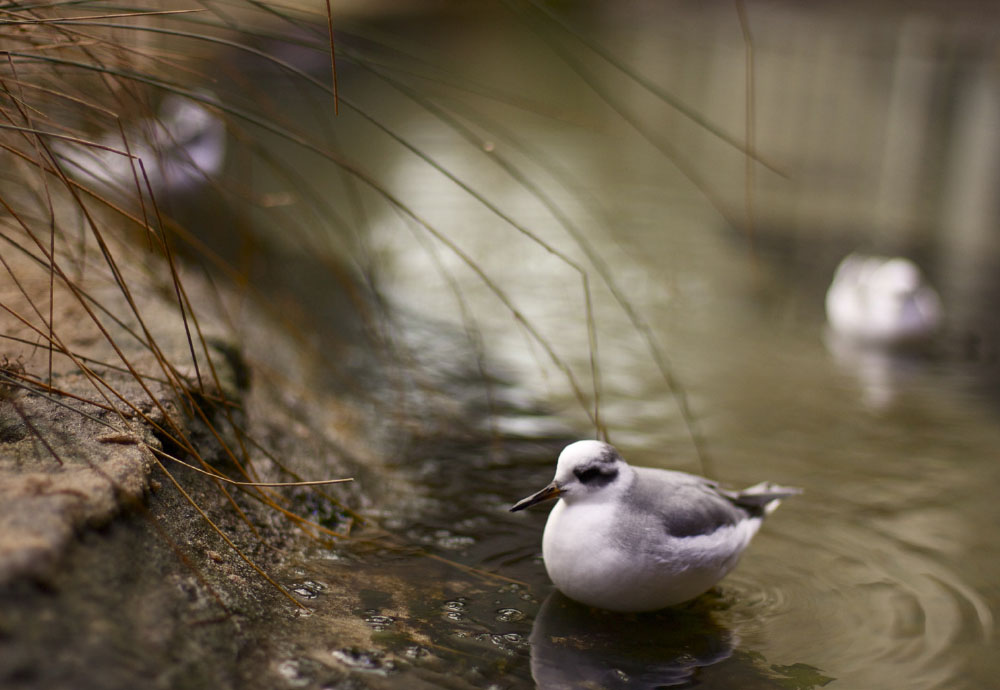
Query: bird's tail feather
765,496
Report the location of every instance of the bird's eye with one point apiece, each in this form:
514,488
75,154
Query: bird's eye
588,475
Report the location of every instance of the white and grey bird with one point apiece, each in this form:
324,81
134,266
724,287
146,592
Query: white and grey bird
881,300
629,538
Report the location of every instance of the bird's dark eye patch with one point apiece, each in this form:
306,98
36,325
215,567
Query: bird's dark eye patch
595,475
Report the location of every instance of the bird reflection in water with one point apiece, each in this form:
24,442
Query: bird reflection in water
575,646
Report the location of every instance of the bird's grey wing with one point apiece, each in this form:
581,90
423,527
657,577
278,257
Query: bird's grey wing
683,504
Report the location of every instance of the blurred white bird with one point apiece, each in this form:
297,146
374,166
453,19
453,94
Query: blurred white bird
881,300
179,148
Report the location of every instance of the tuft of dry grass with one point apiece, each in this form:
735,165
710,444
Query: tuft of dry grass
96,318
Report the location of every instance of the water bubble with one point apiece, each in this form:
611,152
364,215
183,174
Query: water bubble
369,660
509,615
454,609
377,621
508,643
309,589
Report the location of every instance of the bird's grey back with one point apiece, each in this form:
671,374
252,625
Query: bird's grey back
684,504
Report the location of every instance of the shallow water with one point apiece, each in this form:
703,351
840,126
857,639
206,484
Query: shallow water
884,572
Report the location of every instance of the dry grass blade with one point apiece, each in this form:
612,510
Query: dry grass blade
92,17
232,482
333,59
750,120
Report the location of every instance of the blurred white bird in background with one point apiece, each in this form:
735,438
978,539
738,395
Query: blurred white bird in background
180,149
882,301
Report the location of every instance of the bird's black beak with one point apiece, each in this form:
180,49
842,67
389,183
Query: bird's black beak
550,491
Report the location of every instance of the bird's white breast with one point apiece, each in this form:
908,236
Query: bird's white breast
591,561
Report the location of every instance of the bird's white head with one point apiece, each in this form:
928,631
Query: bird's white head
591,464
587,470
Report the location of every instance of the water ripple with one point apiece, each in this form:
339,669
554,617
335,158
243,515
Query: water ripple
859,604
